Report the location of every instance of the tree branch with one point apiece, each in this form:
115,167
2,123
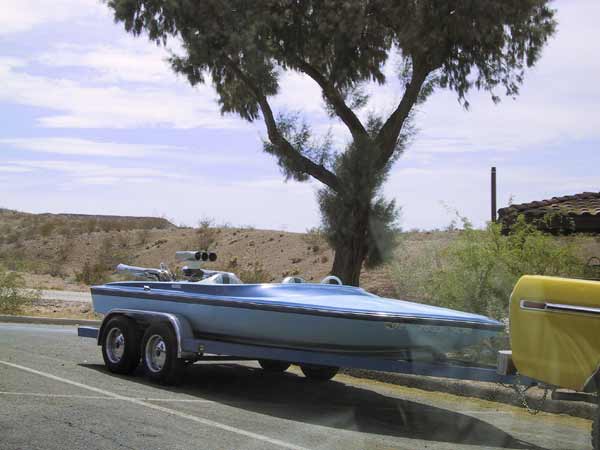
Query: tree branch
301,162
388,135
341,109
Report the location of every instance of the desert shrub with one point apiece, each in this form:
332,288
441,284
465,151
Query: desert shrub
16,259
123,239
477,270
91,273
413,266
255,273
205,235
557,222
13,294
110,253
102,262
89,225
142,237
315,239
64,250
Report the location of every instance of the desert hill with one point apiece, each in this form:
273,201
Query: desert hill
71,251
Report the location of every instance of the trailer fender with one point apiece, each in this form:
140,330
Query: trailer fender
186,344
592,384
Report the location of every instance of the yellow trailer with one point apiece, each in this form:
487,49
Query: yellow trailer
555,331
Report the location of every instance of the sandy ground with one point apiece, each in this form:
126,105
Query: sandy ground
60,309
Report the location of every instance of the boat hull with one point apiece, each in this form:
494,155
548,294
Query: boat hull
285,320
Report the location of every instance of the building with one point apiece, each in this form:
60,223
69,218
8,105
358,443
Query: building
579,213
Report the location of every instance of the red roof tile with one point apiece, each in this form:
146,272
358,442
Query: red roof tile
586,203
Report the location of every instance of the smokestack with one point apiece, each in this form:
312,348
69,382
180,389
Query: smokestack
493,194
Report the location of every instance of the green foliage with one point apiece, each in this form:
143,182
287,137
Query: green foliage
359,216
555,222
301,138
477,271
13,294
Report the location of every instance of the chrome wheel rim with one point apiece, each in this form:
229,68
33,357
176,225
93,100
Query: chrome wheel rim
156,353
115,345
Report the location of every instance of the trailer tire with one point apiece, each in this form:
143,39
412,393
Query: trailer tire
319,373
159,355
274,366
121,345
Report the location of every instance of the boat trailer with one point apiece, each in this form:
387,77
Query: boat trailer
192,348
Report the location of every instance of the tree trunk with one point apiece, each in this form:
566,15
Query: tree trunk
349,256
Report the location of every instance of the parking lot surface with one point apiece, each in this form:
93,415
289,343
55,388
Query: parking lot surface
56,394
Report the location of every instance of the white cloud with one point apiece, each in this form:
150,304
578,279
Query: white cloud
22,15
14,169
85,147
298,92
128,60
82,106
78,172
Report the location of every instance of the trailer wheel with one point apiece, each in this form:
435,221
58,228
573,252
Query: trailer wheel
319,373
271,365
121,345
159,355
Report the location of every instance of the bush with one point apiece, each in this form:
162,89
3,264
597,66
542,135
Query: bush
91,273
477,271
206,235
142,237
255,273
96,270
315,239
13,295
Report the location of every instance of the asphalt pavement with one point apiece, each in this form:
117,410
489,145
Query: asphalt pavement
56,394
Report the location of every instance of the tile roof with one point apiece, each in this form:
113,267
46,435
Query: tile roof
586,203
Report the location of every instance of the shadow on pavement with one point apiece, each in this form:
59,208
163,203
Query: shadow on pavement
331,404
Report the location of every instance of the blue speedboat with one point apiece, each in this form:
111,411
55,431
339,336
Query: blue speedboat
309,316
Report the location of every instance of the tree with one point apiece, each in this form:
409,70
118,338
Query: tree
243,46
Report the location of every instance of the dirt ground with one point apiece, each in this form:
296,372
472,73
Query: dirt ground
58,309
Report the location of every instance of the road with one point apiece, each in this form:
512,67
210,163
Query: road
56,394
66,296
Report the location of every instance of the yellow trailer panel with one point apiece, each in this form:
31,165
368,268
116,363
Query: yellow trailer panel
555,330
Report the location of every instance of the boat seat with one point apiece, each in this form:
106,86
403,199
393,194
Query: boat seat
222,278
288,280
331,279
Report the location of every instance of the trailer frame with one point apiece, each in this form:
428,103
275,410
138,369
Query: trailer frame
192,348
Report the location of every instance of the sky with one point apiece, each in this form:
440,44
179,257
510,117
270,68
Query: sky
93,120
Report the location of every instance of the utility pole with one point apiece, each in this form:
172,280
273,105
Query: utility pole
493,195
